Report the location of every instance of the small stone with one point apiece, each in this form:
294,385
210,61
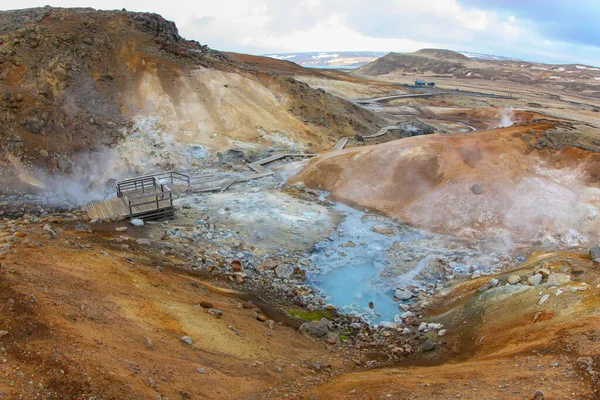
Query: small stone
148,342
538,395
514,279
543,299
44,153
205,304
494,282
406,331
442,332
534,280
262,318
476,274
121,229
143,241
407,314
423,327
3,333
271,324
137,222
186,339
278,369
201,370
236,265
215,312
476,189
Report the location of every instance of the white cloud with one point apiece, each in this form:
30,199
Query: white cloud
268,26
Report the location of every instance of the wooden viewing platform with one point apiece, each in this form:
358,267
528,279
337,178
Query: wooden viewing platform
141,197
146,197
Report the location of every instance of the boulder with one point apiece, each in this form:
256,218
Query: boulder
429,345
284,271
317,329
558,278
534,280
402,294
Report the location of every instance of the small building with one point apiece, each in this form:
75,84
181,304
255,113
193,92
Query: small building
420,82
432,84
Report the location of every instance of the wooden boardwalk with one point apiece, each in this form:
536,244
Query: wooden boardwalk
146,197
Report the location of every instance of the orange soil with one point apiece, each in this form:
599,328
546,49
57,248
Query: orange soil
78,322
426,180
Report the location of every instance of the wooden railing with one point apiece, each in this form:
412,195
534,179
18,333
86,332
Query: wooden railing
150,182
162,195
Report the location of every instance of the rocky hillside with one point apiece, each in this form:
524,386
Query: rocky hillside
447,63
78,80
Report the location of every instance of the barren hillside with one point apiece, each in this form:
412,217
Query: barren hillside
77,80
571,78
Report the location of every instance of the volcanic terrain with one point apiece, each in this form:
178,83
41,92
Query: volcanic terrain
353,235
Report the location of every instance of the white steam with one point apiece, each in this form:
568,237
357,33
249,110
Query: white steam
89,177
506,118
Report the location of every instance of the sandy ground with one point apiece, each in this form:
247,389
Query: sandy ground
87,318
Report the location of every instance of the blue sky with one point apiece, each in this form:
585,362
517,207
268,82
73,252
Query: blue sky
549,31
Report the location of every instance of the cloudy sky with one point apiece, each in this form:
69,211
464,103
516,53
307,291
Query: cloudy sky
540,30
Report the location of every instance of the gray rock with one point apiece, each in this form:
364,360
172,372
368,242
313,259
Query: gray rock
49,229
514,279
284,271
186,339
476,189
594,253
143,241
314,328
83,228
402,294
543,299
137,222
407,314
201,370
429,345
332,338
121,229
538,395
494,282
534,280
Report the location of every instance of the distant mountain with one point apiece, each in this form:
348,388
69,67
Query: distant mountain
338,59
486,57
473,66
